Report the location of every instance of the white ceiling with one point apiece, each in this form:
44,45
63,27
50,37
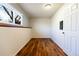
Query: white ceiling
37,10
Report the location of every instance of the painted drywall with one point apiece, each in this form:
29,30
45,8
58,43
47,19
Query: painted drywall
69,40
40,27
13,39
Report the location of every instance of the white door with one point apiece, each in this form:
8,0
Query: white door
67,35
77,34
73,32
70,29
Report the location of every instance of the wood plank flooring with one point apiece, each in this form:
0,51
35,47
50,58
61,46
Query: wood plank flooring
41,47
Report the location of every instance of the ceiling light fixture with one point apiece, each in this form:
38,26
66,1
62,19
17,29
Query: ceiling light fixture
47,6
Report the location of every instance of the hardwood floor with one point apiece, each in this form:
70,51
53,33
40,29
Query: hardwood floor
41,47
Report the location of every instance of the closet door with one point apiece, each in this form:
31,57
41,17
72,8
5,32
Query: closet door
70,29
67,31
77,34
67,35
73,33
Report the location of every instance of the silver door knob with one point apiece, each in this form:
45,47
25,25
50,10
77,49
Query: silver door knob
62,32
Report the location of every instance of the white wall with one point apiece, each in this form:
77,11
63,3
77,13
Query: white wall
68,41
55,31
25,16
13,39
40,27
